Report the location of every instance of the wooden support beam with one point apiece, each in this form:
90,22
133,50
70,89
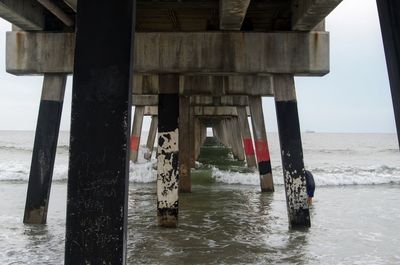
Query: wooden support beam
25,14
248,53
307,14
291,152
232,13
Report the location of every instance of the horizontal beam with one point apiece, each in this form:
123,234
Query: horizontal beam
184,53
25,14
232,13
307,14
152,100
214,85
220,111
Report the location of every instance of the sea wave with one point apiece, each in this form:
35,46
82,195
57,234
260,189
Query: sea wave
144,172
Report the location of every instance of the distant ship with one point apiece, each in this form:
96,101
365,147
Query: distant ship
310,131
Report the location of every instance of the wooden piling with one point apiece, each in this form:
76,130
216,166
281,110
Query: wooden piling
97,205
44,149
291,151
136,132
237,138
261,144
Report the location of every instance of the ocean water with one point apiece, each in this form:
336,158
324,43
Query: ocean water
226,219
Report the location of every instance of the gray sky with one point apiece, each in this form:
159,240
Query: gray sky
354,97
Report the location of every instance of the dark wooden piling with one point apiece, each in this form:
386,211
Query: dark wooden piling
261,144
291,151
96,225
44,149
389,16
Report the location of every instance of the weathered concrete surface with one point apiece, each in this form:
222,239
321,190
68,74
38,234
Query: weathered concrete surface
148,84
307,14
44,149
299,53
232,13
292,153
389,16
27,15
219,101
226,85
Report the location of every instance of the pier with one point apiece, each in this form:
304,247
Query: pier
190,65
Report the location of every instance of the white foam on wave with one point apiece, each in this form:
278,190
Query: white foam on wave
143,172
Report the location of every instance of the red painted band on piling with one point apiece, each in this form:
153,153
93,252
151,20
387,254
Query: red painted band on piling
135,143
262,151
248,146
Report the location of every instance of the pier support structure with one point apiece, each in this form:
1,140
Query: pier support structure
291,152
96,223
246,137
167,160
136,132
184,145
151,137
389,16
44,149
261,144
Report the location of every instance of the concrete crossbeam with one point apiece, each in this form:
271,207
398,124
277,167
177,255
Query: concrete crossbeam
27,15
232,13
220,111
297,53
307,14
149,84
152,100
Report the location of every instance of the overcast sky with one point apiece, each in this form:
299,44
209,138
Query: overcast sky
354,97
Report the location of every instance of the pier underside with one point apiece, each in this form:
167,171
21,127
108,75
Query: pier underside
190,65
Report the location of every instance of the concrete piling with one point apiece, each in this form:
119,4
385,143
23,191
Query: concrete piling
151,137
261,144
246,137
389,16
291,152
237,138
184,145
167,160
96,221
136,132
44,149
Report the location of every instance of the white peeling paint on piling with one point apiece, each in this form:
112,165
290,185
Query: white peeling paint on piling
167,176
